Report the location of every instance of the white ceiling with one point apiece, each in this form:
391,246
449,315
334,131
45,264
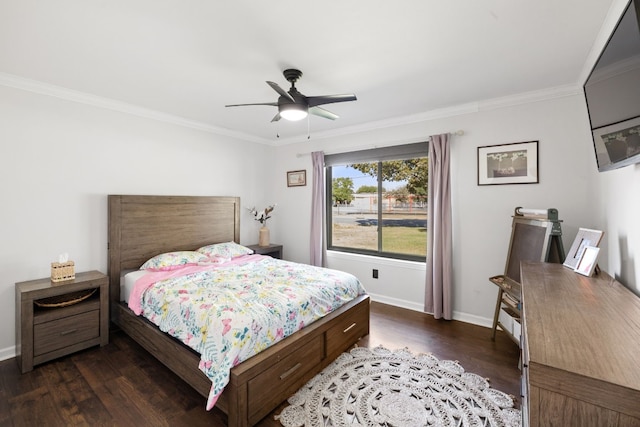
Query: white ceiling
401,58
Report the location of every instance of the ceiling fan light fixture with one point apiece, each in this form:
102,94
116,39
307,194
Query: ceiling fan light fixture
295,106
293,112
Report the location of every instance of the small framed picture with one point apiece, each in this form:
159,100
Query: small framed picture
515,163
296,178
588,261
585,237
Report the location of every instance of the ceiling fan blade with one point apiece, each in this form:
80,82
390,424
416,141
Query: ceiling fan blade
280,91
272,104
318,111
328,99
276,118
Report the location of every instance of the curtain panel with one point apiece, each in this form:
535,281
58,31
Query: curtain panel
439,283
318,241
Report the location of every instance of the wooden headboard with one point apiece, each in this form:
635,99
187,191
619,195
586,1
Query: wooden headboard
143,226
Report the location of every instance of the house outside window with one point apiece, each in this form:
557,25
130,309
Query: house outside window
377,201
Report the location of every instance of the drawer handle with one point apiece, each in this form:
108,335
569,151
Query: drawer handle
71,331
353,325
290,371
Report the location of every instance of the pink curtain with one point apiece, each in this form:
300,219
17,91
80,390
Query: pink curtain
318,243
439,268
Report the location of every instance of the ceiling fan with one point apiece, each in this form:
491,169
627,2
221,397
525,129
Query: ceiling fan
293,105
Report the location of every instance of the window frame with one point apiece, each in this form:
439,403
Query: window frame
379,155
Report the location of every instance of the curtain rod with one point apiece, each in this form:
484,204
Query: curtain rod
368,147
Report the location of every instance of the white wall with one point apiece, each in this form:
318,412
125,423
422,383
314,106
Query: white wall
61,159
481,214
617,200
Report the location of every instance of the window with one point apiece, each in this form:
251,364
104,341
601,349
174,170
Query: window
377,201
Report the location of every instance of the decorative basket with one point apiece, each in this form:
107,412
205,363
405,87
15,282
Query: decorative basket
61,271
65,300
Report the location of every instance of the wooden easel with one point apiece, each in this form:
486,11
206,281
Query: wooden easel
536,235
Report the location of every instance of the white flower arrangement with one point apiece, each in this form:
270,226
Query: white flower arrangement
263,215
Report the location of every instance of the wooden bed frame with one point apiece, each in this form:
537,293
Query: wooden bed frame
143,226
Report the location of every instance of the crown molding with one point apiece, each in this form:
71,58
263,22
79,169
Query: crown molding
442,113
42,88
530,97
389,123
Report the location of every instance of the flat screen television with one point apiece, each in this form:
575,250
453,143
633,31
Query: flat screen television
612,92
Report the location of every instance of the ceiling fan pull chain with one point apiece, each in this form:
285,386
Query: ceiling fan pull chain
308,128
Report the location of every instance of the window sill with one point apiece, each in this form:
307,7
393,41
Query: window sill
348,256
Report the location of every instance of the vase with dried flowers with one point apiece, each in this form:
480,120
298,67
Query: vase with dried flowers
262,217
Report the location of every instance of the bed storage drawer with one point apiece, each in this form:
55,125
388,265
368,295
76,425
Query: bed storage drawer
345,332
284,377
65,332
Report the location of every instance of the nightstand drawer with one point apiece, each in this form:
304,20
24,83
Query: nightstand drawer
65,332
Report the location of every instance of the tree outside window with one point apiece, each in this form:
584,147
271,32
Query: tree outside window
380,208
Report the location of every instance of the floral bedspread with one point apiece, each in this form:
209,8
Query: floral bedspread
232,311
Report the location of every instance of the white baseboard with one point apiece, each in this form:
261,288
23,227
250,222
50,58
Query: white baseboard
473,319
7,353
396,302
457,315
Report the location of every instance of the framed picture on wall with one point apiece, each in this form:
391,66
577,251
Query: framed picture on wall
296,178
515,163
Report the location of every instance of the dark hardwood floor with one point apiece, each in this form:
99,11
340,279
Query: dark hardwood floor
121,384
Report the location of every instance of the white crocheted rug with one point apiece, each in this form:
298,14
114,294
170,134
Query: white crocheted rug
380,387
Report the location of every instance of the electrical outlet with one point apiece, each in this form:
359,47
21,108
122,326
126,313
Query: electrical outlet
375,273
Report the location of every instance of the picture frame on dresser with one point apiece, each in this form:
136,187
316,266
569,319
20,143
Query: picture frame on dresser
585,237
588,261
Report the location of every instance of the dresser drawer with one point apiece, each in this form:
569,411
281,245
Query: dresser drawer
64,332
284,377
341,335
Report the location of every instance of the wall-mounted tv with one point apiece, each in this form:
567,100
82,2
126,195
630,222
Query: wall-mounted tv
612,91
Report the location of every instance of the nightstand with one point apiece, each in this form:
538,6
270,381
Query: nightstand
273,250
54,319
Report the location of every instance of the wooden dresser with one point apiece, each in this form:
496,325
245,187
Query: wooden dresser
581,349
